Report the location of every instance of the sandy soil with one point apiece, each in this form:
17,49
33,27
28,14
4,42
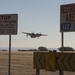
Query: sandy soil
22,64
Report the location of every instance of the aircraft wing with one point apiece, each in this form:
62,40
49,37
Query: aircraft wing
26,33
43,34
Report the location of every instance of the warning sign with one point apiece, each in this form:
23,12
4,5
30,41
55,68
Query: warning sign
8,24
67,18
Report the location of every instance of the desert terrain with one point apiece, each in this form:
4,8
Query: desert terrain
22,64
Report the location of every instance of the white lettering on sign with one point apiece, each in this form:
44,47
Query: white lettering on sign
8,24
5,17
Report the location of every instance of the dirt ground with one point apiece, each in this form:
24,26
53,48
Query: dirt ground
22,64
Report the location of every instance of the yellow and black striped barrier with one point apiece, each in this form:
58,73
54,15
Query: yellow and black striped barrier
39,60
44,60
51,61
65,61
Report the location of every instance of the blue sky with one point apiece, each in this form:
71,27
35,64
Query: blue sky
39,16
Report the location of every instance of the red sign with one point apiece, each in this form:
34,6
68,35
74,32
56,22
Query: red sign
8,24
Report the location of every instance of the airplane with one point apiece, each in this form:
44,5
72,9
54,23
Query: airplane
33,35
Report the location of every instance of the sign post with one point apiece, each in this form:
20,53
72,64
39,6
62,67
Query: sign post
9,70
67,21
8,26
62,45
